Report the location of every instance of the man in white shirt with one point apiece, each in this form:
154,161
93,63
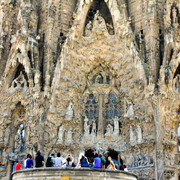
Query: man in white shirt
58,160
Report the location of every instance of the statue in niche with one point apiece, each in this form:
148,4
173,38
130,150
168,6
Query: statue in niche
93,128
116,125
132,136
99,79
99,21
109,130
19,139
61,132
174,16
88,29
86,126
139,134
69,112
69,136
130,112
19,82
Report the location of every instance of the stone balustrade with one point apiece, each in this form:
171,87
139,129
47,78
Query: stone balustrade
72,173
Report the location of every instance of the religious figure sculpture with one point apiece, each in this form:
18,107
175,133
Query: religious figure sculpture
99,79
99,22
116,125
19,82
109,130
61,131
86,126
19,139
130,111
174,16
93,128
69,136
132,136
69,112
139,134
139,159
88,29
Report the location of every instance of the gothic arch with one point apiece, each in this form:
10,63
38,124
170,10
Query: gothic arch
84,7
19,72
104,12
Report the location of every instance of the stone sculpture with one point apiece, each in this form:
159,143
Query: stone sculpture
116,125
93,128
88,29
109,130
61,132
139,134
19,82
69,112
130,112
86,126
69,137
99,22
141,160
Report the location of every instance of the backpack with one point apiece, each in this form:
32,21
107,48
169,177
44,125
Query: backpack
49,162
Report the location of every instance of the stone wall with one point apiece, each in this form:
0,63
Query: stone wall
72,173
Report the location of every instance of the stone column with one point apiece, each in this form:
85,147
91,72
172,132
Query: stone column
100,120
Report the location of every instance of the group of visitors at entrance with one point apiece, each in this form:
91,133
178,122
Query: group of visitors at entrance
97,161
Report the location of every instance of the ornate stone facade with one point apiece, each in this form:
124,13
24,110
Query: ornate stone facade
91,74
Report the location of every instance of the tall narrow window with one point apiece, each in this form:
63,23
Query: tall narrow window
91,108
111,107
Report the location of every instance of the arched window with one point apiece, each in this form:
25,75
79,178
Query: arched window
102,107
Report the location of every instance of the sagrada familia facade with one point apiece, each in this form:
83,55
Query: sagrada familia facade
91,76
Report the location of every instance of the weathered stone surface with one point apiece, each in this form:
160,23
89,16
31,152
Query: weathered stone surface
72,173
97,75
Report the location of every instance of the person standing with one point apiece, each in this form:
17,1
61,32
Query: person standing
29,162
58,160
97,162
39,160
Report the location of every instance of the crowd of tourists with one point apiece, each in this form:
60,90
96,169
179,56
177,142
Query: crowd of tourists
97,161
